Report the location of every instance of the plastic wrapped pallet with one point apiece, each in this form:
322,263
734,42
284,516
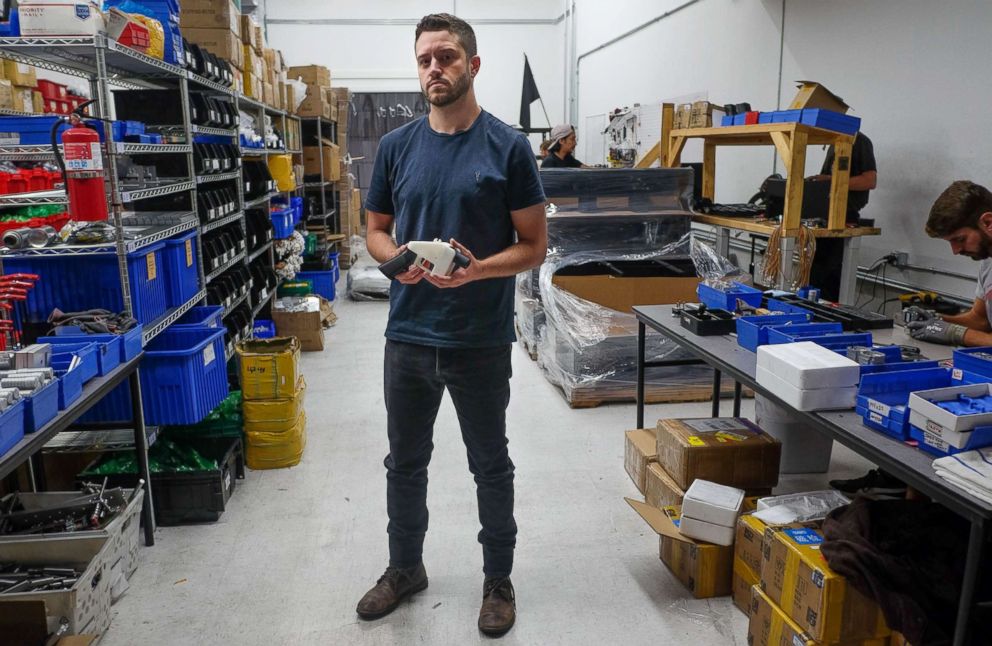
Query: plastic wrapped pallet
365,281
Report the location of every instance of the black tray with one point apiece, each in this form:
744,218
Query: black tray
711,322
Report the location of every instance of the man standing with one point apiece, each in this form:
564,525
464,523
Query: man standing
462,175
962,216
561,148
828,261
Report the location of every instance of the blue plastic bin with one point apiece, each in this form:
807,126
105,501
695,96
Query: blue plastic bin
798,332
182,269
727,120
11,426
129,345
830,120
77,283
323,282
70,386
108,348
208,316
837,342
886,394
739,119
63,355
296,203
263,329
786,116
716,299
183,375
981,436
41,406
766,117
752,331
282,223
966,359
899,366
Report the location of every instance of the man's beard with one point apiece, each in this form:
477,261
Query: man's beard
984,249
449,95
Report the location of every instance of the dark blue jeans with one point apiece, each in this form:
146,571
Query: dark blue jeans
478,380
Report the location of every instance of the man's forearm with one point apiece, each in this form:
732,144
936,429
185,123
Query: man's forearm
514,259
381,245
968,319
977,338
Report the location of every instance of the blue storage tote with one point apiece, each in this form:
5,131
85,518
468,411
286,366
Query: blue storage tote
333,256
727,300
128,344
201,316
282,223
981,436
70,386
108,348
41,406
739,119
78,283
752,331
830,120
786,116
883,397
182,269
11,426
727,120
793,333
968,359
88,366
323,282
263,329
183,375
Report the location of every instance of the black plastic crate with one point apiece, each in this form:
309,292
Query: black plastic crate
191,496
711,322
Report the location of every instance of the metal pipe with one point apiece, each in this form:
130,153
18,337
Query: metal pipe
399,22
630,32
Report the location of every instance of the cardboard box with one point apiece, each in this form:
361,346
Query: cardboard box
639,450
290,98
749,541
247,31
815,95
331,160
268,94
744,579
344,113
313,104
317,75
269,368
307,327
704,114
659,488
621,294
23,98
37,102
20,73
683,116
769,625
210,14
796,577
274,415
705,569
6,95
259,43
51,18
730,451
709,512
219,42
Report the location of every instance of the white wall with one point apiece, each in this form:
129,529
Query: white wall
378,56
915,71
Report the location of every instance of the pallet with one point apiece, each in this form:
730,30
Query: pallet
529,347
595,395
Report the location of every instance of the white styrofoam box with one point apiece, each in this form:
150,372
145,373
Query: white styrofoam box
60,17
807,365
832,398
922,403
712,503
709,532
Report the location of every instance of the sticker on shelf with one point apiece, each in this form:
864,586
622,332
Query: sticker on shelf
152,267
10,138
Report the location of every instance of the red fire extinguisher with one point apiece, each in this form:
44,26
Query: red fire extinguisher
82,167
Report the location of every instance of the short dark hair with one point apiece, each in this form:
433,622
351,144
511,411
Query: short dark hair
960,205
454,25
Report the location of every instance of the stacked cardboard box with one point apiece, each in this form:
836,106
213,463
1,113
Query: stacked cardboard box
216,25
323,161
273,390
727,451
316,103
17,87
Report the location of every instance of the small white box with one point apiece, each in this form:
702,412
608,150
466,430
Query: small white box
712,503
709,532
60,18
806,365
831,398
922,402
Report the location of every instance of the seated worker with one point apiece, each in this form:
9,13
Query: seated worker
962,216
561,147
829,257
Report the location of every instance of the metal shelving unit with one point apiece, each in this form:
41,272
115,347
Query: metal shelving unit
258,252
313,131
261,304
155,327
216,224
34,198
234,305
227,265
156,191
220,177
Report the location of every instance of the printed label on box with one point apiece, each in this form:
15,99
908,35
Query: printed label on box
209,355
725,436
189,253
935,428
957,373
714,425
10,138
83,156
879,407
934,440
875,417
152,268
695,441
804,536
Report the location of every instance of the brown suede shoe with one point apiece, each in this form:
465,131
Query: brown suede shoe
499,606
391,588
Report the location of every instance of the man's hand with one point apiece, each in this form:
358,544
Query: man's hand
459,277
937,331
412,275
915,313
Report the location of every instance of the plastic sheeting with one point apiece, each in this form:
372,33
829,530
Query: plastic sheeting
364,281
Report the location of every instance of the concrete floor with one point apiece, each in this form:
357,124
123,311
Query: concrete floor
297,548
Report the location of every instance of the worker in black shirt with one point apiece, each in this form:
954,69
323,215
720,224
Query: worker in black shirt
829,257
560,149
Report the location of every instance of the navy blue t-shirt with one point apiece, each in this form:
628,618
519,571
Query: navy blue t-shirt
460,186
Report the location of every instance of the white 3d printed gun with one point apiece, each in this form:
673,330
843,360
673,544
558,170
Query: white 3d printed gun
438,258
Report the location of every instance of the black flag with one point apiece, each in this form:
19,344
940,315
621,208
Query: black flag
527,96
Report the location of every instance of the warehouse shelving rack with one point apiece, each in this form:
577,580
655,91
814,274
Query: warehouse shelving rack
314,130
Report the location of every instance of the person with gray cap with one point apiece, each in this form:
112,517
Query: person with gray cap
561,148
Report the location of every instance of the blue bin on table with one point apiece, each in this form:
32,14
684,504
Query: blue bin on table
830,120
752,331
88,366
323,282
11,426
128,344
108,348
201,316
727,300
70,386
883,397
41,406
